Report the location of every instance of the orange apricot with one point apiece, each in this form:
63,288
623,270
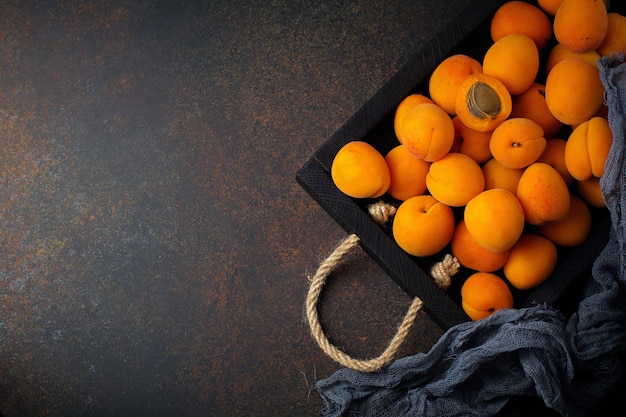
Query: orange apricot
407,173
520,17
615,38
581,25
561,53
471,254
495,218
455,179
427,132
517,143
549,6
554,155
530,262
446,78
499,176
482,102
587,148
423,226
471,142
360,171
514,60
406,105
543,194
571,230
484,293
591,192
531,104
574,92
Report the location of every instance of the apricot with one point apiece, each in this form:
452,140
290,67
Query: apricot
543,194
520,17
514,60
423,226
549,6
360,171
427,132
408,173
530,262
615,38
484,293
482,102
446,78
581,25
574,92
495,218
455,179
554,155
406,105
471,142
561,53
471,254
571,230
587,148
517,143
591,192
531,104
498,176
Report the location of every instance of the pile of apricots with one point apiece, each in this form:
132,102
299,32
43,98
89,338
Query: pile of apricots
504,146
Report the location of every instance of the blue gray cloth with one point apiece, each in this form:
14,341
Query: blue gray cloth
476,368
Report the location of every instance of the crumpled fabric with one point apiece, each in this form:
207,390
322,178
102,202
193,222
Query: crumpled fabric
476,368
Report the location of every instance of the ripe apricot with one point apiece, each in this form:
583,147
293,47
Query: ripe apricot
574,92
530,262
531,104
423,226
406,105
360,171
495,218
520,17
615,38
554,155
471,142
446,78
517,143
499,176
455,179
543,194
587,148
427,132
471,254
591,192
581,25
408,173
482,102
514,60
571,230
484,293
550,6
561,53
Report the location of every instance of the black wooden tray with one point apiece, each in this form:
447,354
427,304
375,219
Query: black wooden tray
373,123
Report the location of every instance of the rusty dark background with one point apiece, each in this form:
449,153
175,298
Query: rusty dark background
154,244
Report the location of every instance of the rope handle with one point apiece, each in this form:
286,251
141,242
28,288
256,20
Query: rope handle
441,272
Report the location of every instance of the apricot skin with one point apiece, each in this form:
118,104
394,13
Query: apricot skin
573,229
530,262
427,132
407,173
471,254
581,25
587,148
484,293
531,104
455,179
523,18
446,78
543,194
615,38
517,142
499,176
514,60
360,171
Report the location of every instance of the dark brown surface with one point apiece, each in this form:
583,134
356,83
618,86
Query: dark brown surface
155,246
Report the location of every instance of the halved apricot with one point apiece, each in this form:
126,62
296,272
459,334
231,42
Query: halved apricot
482,102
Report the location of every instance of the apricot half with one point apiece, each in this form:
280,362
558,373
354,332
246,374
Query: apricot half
423,226
482,102
360,171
